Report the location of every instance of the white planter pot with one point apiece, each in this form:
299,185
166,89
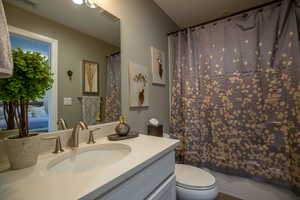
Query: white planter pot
22,152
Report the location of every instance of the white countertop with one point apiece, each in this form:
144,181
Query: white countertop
37,183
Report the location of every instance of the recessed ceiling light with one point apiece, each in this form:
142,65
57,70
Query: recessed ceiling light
78,2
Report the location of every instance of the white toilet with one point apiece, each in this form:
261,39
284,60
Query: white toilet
193,183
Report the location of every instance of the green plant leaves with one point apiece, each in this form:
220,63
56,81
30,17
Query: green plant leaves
31,78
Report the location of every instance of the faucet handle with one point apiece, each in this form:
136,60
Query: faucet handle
83,125
58,145
91,136
61,122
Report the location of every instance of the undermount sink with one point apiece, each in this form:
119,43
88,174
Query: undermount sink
88,158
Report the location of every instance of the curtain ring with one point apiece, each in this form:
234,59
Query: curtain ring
245,15
229,19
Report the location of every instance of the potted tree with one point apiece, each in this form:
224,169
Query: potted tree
30,81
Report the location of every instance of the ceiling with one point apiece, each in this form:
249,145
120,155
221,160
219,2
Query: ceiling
94,22
191,12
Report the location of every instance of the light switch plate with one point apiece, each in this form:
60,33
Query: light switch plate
67,101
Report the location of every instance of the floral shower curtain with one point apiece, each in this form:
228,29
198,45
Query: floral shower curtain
112,108
236,94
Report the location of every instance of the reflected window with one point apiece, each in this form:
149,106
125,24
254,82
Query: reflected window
38,111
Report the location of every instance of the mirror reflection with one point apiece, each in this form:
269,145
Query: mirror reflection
81,44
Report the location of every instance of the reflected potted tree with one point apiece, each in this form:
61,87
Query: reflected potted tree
30,81
8,114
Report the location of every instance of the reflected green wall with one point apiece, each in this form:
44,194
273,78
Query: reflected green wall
73,47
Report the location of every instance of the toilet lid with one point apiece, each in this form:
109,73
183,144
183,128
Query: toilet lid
192,177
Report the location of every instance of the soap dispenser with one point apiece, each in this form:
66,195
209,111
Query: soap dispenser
122,129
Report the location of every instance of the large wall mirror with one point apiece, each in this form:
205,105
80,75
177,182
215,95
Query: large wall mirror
81,43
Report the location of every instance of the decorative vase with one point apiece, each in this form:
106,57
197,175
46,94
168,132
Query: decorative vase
141,97
160,69
22,152
122,129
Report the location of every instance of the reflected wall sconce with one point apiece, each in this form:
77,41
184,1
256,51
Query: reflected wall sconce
70,74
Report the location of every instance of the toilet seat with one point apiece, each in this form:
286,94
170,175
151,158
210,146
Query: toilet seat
193,178
194,187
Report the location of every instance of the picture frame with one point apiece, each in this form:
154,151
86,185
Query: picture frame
158,61
90,78
138,85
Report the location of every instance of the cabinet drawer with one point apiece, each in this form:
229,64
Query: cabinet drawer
166,191
140,185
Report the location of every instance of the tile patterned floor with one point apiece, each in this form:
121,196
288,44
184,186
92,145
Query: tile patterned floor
223,196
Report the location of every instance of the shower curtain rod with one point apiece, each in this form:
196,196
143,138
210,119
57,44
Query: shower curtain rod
113,54
232,15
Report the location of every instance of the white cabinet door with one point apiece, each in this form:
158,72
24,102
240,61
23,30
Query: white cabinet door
141,185
166,191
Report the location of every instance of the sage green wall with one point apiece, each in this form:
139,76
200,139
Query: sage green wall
73,47
143,24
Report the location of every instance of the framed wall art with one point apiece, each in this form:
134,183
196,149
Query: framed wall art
138,85
90,72
158,66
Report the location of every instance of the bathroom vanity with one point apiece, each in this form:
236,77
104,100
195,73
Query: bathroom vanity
135,169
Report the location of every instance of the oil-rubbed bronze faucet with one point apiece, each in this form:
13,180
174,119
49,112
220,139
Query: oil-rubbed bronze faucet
75,133
58,145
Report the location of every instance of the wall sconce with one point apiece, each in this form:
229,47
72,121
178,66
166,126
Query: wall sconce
70,74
